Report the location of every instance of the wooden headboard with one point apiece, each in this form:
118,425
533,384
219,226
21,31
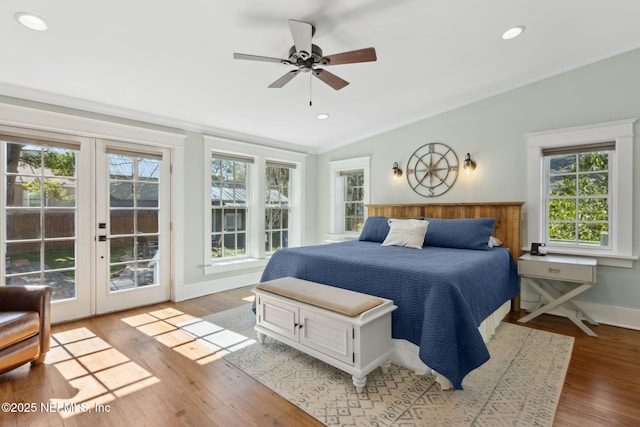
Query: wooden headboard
507,214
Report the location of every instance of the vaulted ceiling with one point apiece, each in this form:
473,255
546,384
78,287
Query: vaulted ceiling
171,62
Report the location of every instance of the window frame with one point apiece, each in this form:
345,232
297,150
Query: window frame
336,199
345,202
256,192
227,212
576,199
619,253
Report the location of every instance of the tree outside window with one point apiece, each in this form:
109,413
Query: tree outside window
353,197
277,207
578,198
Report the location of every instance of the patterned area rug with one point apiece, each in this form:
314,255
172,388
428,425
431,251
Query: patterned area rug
519,386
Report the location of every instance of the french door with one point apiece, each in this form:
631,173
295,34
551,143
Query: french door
84,217
132,226
45,222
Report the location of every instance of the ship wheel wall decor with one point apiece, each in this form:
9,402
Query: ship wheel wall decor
432,169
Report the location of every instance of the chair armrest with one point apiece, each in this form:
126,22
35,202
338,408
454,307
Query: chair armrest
30,298
24,298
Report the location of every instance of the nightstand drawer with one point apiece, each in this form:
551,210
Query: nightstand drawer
556,270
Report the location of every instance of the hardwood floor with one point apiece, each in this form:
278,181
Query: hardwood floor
135,368
602,386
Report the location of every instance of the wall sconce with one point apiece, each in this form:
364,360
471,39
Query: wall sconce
468,165
397,172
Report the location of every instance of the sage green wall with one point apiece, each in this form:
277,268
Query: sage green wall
493,131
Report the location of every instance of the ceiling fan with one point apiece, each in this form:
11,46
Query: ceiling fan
307,57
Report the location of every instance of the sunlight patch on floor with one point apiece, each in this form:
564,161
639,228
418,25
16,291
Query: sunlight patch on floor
98,372
192,337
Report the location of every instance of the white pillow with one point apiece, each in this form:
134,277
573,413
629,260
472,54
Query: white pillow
494,241
406,232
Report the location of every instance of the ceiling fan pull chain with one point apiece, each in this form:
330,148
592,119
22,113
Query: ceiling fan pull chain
310,83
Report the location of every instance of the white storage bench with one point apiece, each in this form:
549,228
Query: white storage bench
346,329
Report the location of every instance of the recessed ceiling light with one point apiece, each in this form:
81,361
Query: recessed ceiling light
31,21
513,32
323,116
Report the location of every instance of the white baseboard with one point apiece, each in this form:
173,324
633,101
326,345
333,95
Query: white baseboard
605,314
194,290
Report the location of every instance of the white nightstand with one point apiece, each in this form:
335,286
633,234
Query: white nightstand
578,273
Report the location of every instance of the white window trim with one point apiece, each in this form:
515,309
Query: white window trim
336,216
621,252
255,257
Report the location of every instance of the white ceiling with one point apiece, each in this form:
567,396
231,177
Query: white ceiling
171,62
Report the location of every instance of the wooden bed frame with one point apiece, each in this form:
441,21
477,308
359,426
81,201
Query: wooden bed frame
508,217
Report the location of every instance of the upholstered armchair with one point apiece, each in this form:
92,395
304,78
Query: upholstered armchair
25,325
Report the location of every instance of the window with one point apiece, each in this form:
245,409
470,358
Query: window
353,200
349,195
277,209
579,193
228,206
256,207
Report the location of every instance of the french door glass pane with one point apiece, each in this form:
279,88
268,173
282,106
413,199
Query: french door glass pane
122,250
20,193
147,194
122,221
40,217
148,221
22,258
23,224
59,223
121,194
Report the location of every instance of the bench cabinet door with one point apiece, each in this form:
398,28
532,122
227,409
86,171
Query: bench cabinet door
327,334
278,316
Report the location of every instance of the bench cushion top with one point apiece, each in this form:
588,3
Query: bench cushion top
343,301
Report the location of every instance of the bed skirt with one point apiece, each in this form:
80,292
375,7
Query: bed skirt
405,353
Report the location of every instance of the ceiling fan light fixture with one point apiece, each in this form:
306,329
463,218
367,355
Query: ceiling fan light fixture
306,56
323,116
31,21
513,32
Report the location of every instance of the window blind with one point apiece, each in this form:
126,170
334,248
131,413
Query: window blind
582,148
53,143
136,153
232,157
275,164
351,173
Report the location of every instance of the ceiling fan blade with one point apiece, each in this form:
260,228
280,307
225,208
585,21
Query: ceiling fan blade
302,33
284,79
260,58
361,55
329,78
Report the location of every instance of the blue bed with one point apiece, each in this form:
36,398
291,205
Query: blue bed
442,294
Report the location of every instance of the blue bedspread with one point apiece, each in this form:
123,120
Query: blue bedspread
442,294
